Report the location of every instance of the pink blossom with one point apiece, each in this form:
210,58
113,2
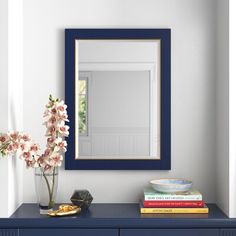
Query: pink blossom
54,111
63,130
31,163
40,160
26,137
26,155
51,131
56,159
34,147
46,112
55,116
15,146
4,138
61,108
52,120
63,117
60,145
50,142
22,147
9,148
14,135
47,167
47,152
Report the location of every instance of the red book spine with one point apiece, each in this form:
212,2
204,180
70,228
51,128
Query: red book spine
176,204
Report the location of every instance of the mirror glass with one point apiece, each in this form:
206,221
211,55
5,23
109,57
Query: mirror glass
117,99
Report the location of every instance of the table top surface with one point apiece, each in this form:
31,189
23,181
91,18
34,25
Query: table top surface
116,216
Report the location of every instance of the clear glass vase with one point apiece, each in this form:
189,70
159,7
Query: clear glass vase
46,183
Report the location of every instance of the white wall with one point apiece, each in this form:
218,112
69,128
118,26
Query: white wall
4,100
3,65
193,86
222,105
232,110
11,100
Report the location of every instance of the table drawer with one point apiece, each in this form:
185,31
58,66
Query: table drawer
8,232
228,232
169,232
68,232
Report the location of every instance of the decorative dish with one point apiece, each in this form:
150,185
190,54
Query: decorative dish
65,210
171,185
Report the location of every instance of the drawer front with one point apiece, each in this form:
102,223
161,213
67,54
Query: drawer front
8,232
169,232
228,232
68,232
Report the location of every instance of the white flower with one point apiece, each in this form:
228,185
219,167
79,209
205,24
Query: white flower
26,155
63,129
31,164
63,117
40,160
51,130
56,159
50,142
14,135
34,148
60,145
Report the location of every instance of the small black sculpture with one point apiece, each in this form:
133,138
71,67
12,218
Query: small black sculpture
82,198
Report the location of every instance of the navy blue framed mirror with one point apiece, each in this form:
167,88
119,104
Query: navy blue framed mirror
118,92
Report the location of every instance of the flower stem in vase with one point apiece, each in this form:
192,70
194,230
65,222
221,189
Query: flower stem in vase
50,190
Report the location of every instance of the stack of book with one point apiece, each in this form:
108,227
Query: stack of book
173,203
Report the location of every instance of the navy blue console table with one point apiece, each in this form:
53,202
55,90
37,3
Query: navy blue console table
117,220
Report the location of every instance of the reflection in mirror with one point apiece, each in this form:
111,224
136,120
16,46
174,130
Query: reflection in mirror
83,106
114,114
118,99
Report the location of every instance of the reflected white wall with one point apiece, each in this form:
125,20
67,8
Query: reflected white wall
118,114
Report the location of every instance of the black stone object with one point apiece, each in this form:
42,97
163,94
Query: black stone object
81,198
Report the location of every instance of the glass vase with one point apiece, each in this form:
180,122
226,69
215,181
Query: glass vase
46,183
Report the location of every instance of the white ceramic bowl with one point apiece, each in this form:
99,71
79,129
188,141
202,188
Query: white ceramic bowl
171,185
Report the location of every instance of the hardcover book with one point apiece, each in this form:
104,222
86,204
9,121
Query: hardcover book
155,210
191,195
176,204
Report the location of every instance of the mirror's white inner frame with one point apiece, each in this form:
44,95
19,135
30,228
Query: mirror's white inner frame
127,55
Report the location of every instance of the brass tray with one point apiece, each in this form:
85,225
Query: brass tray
65,210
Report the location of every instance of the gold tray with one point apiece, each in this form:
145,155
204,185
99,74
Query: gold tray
65,210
